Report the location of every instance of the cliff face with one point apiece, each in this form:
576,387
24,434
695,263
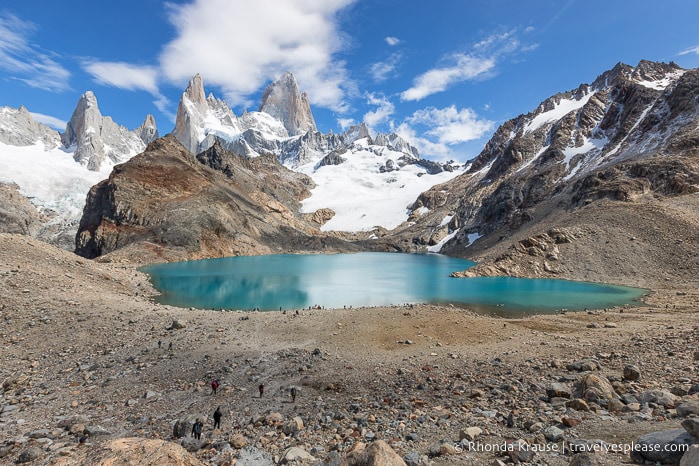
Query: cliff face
166,204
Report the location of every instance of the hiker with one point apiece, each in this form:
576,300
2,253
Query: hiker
214,387
261,388
217,418
293,394
196,429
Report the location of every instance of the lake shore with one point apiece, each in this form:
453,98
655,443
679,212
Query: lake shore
83,343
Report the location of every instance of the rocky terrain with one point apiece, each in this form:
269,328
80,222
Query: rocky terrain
166,204
86,350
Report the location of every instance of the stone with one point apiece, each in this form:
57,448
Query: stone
691,425
578,404
632,373
95,431
377,453
689,407
274,419
412,458
593,387
585,365
293,426
585,459
570,421
175,325
558,390
191,444
296,454
553,434
470,433
520,452
447,449
29,455
659,397
662,446
238,441
691,456
251,456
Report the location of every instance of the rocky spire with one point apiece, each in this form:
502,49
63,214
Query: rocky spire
283,101
97,138
148,132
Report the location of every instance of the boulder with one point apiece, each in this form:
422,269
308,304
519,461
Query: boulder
558,390
296,454
377,453
689,407
632,373
238,441
691,425
251,456
592,388
662,447
29,455
691,456
659,397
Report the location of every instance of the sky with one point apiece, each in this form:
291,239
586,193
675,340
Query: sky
443,74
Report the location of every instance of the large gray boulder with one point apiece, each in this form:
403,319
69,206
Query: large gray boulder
662,447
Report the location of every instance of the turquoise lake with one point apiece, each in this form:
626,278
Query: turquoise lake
366,279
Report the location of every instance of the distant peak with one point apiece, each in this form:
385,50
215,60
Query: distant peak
195,89
283,100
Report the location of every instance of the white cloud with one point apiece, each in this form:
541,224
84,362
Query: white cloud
435,131
124,75
345,123
384,109
25,61
53,122
240,46
392,41
480,63
465,67
130,77
694,50
381,71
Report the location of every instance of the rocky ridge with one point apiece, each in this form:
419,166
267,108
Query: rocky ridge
627,143
166,204
283,101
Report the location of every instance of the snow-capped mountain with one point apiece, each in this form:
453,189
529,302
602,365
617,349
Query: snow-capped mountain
55,171
366,181
630,133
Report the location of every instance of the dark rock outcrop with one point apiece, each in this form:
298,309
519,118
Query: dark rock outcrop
168,204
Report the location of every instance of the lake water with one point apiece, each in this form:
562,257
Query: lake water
291,281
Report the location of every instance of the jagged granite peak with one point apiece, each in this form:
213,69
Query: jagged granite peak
148,131
193,112
98,139
18,128
283,100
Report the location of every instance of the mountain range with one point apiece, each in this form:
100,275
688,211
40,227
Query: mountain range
595,160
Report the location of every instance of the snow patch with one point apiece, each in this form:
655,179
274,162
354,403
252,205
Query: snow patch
438,247
361,196
561,109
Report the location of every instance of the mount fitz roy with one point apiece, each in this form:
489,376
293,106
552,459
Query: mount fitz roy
613,159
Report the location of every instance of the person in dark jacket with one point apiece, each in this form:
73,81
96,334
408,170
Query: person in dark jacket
217,418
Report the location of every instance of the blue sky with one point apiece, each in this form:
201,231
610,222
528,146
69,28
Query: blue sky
442,73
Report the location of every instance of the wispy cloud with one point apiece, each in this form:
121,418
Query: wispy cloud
123,75
435,131
49,120
390,40
26,62
384,110
694,50
479,63
252,43
464,68
130,77
381,71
